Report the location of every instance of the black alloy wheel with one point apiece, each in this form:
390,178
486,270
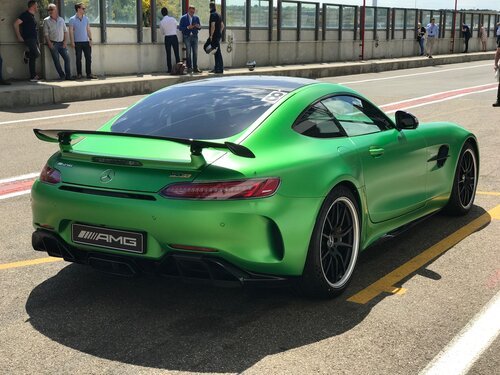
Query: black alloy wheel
334,246
464,182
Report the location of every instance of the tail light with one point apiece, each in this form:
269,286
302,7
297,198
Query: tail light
223,190
50,175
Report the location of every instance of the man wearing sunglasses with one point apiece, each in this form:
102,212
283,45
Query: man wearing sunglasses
81,40
56,35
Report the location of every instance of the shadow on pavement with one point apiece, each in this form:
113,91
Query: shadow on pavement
169,325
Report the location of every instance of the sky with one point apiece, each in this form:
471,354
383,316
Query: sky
426,4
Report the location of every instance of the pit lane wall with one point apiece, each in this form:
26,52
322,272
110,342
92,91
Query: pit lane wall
129,50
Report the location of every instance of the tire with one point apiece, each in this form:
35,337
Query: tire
334,246
464,182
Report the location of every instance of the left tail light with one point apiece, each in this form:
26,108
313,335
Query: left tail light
223,190
50,175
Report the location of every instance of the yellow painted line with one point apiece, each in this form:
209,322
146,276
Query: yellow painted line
488,193
32,262
386,283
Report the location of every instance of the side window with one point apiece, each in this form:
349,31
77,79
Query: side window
356,116
317,122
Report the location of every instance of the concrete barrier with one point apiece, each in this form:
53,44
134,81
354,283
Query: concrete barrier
32,94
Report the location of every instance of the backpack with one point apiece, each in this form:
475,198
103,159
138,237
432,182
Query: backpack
178,69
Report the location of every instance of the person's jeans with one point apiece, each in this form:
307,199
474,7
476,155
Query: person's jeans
421,44
498,93
34,53
219,64
171,41
466,44
57,50
430,44
87,51
1,63
191,43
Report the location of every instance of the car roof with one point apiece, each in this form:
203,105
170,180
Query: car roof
263,82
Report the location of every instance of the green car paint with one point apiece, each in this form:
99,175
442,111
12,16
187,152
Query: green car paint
391,174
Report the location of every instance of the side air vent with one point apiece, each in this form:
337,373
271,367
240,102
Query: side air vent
105,193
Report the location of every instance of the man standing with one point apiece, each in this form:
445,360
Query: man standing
26,32
81,40
56,36
168,28
432,34
215,34
496,67
2,81
189,24
421,37
467,34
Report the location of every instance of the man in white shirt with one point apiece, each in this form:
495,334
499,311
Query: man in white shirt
56,37
168,28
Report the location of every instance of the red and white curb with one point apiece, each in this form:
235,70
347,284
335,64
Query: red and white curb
16,186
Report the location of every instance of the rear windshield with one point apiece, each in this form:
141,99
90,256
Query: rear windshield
198,112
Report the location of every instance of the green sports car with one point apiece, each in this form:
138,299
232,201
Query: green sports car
247,180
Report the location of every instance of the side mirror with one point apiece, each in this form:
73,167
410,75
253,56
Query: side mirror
405,120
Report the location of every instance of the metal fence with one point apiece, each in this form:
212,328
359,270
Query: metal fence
279,15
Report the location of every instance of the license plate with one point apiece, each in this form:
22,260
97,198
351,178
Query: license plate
134,242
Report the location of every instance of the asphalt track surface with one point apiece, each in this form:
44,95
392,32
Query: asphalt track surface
412,298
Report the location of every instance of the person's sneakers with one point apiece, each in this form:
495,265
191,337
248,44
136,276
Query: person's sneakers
4,83
79,76
35,79
26,56
497,104
196,70
91,76
190,71
430,57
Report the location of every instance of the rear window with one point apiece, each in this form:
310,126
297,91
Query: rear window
198,112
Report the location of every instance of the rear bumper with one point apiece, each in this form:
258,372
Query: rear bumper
188,267
265,236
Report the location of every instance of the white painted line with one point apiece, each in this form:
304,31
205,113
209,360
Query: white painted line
412,74
62,116
342,83
461,353
435,94
16,194
19,178
440,100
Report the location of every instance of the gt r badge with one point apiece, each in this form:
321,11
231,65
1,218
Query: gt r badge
107,176
180,175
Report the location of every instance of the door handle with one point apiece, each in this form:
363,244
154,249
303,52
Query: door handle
376,151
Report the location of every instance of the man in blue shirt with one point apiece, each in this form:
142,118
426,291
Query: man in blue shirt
26,32
81,40
189,25
432,35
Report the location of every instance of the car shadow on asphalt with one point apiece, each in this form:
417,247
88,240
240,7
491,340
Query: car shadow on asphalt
154,322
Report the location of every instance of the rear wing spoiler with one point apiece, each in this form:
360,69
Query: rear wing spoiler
64,138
